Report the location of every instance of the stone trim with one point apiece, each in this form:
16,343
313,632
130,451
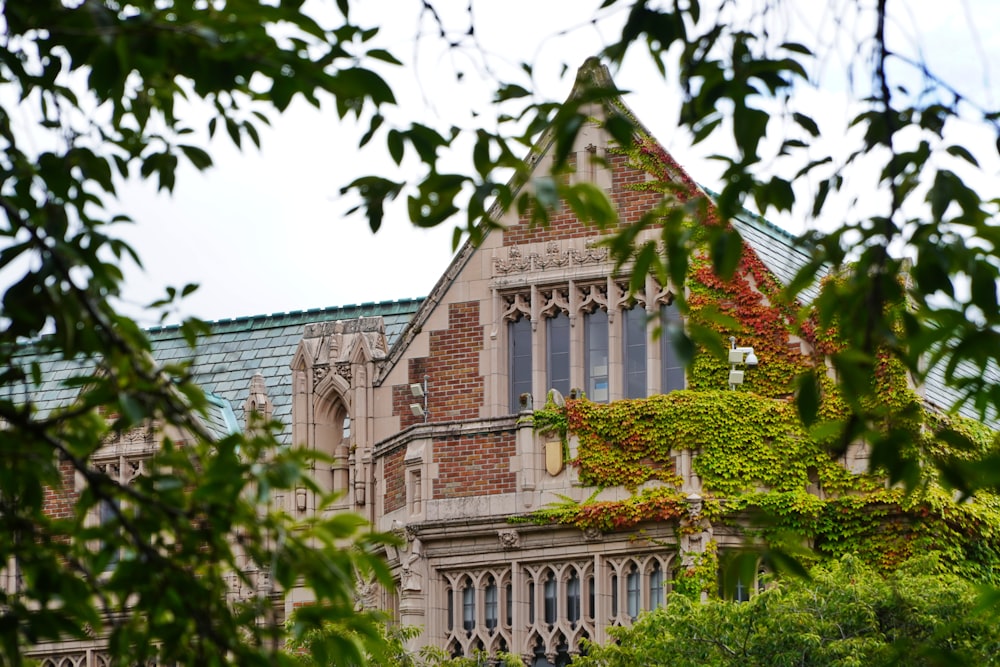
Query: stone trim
444,429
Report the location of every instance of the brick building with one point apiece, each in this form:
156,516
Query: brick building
425,407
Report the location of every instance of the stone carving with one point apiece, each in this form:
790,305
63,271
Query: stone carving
592,534
554,257
320,371
112,469
622,299
516,306
593,297
258,402
554,301
331,344
134,468
378,344
515,262
121,469
592,253
400,530
509,539
366,595
414,566
694,502
359,325
139,436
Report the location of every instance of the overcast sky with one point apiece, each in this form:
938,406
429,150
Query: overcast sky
265,231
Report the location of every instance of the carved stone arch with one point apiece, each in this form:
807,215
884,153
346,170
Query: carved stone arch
555,300
622,298
331,410
593,297
516,306
303,358
363,350
332,389
664,295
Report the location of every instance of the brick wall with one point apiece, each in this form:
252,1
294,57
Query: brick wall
59,502
395,482
455,385
474,465
631,204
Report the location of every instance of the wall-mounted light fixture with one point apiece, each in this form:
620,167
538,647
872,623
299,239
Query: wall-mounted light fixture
739,356
418,390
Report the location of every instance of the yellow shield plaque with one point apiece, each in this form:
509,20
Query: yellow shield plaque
553,457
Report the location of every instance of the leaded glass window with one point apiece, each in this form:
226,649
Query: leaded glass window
634,342
672,370
557,345
573,599
596,357
519,358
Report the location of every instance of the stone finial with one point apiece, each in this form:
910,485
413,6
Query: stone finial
258,403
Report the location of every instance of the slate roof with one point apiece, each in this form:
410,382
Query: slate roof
943,396
781,251
781,254
226,360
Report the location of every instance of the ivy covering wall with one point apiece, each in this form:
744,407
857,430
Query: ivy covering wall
759,468
761,471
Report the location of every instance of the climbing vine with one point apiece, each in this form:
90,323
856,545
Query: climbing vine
662,503
758,470
744,441
700,577
762,472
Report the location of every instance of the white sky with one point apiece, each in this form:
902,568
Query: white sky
264,231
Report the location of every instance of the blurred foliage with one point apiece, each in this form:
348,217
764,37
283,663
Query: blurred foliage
764,474
391,651
843,614
101,82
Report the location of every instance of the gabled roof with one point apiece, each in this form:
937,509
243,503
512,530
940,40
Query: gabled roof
780,250
225,361
592,73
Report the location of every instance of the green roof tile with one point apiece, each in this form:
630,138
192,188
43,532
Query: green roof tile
226,359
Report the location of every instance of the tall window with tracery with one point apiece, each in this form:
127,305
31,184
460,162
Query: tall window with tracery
596,356
123,470
634,351
637,584
557,352
671,368
519,359
545,609
557,590
580,323
474,602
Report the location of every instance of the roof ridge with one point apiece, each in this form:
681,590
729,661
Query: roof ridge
755,217
228,321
